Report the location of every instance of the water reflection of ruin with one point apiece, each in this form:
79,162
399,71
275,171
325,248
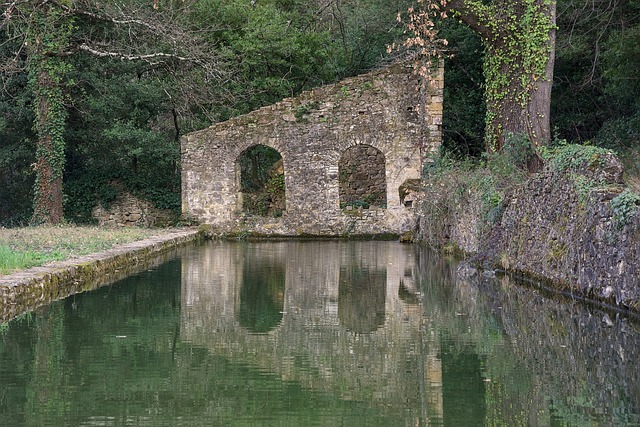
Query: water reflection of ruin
337,316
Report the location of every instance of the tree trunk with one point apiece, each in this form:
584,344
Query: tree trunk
49,166
46,71
519,105
519,38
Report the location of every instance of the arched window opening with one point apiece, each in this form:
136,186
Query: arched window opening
362,181
262,181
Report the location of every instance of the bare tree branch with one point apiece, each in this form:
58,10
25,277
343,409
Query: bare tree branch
121,56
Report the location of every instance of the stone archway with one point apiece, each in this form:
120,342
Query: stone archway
390,114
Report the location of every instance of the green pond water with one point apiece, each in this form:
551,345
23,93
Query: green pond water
318,333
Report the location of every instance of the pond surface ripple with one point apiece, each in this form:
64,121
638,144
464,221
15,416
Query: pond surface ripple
317,333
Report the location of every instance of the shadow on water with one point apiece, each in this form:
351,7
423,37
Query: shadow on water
318,333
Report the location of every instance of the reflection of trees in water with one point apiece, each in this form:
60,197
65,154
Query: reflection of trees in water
361,298
261,296
543,357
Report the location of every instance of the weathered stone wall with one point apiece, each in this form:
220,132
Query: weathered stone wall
128,210
390,110
552,229
362,177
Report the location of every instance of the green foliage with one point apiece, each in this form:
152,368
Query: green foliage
622,61
574,157
574,160
278,48
583,186
443,162
376,199
491,199
275,184
119,139
454,187
262,181
625,207
255,164
17,153
464,108
596,89
361,31
510,164
304,109
622,135
273,50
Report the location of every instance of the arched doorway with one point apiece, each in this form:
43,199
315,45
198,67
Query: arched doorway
261,181
362,180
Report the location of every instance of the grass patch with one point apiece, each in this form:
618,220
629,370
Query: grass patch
11,260
22,248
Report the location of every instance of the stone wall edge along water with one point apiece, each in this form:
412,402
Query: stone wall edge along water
29,289
576,238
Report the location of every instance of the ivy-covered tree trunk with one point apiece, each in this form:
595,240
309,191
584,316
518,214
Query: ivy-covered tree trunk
46,70
519,40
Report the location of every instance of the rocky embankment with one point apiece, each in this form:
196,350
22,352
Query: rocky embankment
576,228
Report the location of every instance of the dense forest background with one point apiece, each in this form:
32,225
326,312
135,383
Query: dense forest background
140,75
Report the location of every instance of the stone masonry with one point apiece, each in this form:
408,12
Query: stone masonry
391,111
128,210
362,177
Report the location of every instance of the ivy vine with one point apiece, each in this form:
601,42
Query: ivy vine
517,40
51,30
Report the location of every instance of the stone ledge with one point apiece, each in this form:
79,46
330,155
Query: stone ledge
29,289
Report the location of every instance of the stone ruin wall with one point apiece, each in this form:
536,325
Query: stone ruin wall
128,211
362,177
390,110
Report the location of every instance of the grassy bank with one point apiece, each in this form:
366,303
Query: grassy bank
21,248
472,192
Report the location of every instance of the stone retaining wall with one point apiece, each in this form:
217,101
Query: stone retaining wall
128,210
556,230
29,289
